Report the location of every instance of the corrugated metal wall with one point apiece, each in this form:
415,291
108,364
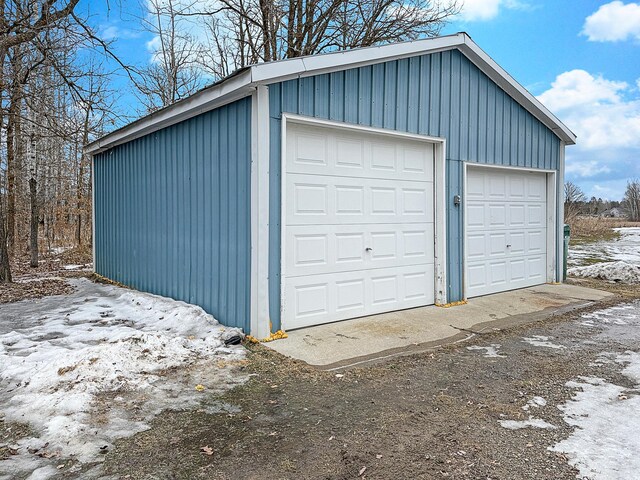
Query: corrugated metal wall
173,212
441,94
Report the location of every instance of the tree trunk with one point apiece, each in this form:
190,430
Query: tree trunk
34,222
5,268
11,178
14,140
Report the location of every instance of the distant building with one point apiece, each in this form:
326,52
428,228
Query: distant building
612,213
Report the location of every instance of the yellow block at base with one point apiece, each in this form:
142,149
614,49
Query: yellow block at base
452,304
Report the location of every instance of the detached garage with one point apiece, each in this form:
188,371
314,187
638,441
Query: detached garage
324,188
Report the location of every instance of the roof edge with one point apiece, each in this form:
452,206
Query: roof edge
229,90
243,82
510,85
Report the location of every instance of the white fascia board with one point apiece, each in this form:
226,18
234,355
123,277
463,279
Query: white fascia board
496,73
228,91
330,62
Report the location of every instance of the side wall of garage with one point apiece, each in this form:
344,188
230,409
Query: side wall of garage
441,95
172,212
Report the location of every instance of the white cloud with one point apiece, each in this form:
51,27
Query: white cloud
613,22
587,169
116,32
605,115
597,109
482,10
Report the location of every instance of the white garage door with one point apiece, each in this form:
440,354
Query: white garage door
505,229
358,225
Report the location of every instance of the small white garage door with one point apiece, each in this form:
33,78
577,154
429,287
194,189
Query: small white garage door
358,232
506,230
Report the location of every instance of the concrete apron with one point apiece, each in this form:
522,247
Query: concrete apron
348,343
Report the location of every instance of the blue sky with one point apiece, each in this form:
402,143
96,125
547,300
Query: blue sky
580,57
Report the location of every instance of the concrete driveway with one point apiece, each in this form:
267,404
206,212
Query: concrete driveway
354,342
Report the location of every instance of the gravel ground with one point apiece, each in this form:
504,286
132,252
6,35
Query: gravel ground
424,416
433,415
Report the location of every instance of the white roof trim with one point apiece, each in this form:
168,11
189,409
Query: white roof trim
241,84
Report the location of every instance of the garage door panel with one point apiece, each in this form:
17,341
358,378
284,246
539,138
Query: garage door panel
536,188
315,199
338,296
499,216
326,151
490,244
343,248
505,230
358,225
311,148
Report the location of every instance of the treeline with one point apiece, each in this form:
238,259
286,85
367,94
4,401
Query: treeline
576,203
54,97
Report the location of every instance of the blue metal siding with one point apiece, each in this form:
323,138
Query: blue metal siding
441,94
173,212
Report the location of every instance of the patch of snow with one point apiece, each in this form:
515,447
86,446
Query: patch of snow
619,271
58,250
542,341
605,442
490,352
86,266
101,365
530,422
535,402
617,315
626,249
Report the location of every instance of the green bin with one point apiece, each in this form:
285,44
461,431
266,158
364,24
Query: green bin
567,236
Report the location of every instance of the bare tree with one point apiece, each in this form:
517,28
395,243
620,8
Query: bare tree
44,81
632,200
244,32
174,71
573,196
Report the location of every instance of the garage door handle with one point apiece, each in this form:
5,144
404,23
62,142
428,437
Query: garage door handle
368,249
509,246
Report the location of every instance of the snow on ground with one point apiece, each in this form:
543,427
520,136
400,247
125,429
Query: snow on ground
606,416
625,249
617,315
619,271
86,369
490,352
617,260
605,442
542,341
86,266
535,402
530,422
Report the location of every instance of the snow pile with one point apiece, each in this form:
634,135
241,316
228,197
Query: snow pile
101,365
619,271
490,352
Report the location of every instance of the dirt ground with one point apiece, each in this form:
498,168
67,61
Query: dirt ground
431,415
48,277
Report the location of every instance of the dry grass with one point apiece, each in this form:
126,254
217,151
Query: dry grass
591,229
